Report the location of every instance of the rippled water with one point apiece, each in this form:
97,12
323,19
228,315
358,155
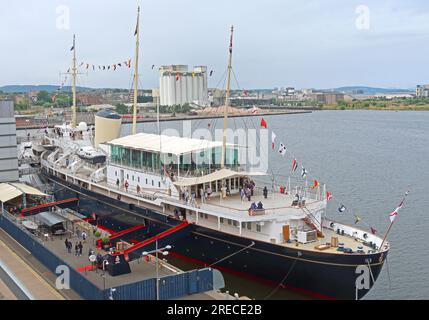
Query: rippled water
368,160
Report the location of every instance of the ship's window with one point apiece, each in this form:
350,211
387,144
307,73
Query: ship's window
152,183
249,225
229,221
159,184
206,216
201,214
146,181
128,176
258,228
138,179
243,224
235,223
133,178
221,220
116,173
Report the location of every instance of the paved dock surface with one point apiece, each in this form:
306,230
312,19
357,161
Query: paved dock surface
34,278
5,292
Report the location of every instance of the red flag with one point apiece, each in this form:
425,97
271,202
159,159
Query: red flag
373,231
315,185
264,123
294,165
328,196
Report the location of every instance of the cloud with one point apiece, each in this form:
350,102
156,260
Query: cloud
277,43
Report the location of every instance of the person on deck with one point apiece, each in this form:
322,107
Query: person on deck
295,200
209,192
260,206
138,189
265,192
117,183
248,194
242,194
126,185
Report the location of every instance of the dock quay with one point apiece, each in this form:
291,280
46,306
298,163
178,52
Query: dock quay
44,253
89,119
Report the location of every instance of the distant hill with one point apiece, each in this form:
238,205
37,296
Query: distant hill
369,90
29,88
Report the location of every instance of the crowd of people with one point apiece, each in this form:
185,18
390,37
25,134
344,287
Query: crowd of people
78,247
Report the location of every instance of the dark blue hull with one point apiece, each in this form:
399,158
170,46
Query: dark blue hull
318,274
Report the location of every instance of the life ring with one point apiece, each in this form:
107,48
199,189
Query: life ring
332,225
365,236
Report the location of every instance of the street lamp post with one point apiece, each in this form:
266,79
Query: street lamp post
156,251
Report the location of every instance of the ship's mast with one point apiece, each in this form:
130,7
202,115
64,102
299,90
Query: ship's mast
74,75
225,111
136,72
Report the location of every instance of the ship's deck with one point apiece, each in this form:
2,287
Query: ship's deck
275,203
276,206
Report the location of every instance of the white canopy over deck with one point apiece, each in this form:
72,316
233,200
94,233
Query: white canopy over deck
214,176
9,191
165,144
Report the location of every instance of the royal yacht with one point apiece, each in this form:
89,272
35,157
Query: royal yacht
188,192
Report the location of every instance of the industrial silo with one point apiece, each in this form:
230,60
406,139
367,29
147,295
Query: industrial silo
107,126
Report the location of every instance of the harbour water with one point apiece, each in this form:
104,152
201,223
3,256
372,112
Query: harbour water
368,159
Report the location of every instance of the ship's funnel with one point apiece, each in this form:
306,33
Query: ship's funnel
107,126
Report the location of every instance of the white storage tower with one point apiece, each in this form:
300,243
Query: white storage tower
179,86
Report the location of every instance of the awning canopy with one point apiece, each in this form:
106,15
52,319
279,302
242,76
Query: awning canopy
49,219
9,191
165,144
214,176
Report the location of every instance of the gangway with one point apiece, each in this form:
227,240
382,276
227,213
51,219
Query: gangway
48,206
167,235
126,231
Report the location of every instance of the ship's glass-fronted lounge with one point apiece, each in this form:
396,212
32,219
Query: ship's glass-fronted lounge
175,155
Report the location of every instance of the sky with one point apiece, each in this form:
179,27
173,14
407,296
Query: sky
277,43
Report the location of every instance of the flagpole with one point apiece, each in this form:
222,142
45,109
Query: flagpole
136,73
74,73
225,111
385,236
